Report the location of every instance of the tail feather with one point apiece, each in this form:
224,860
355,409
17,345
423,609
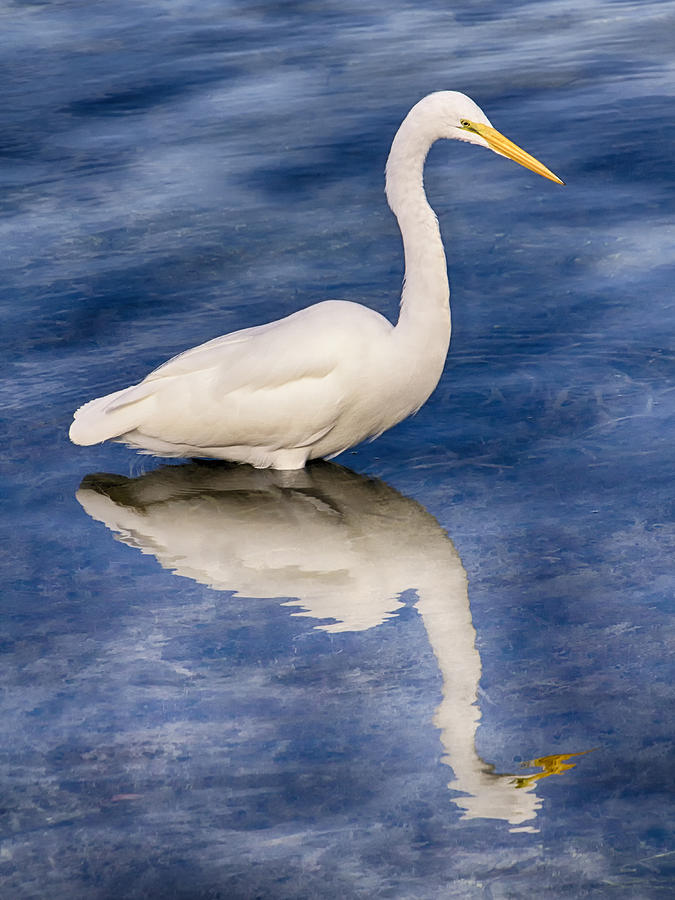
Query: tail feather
109,417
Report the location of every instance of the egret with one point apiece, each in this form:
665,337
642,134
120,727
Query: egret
320,380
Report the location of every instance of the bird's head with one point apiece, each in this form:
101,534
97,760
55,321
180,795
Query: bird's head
457,117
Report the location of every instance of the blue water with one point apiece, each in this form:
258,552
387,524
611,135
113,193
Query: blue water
359,682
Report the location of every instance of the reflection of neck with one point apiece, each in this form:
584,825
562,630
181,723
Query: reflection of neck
444,608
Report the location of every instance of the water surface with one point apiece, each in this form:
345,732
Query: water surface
443,670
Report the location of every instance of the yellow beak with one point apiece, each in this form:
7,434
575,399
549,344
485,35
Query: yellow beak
505,147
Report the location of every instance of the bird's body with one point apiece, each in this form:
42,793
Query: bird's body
327,377
239,398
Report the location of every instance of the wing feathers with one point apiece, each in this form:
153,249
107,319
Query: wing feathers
277,386
109,417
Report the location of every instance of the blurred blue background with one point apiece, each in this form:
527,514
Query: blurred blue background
172,171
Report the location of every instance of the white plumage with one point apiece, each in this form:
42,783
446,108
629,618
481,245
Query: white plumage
324,378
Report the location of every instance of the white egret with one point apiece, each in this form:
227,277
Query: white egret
325,378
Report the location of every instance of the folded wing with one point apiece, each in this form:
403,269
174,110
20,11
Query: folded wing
277,385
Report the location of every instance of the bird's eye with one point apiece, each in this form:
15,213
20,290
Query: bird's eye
465,124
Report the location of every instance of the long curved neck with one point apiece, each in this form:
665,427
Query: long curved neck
426,293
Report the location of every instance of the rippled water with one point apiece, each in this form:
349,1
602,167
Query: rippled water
445,672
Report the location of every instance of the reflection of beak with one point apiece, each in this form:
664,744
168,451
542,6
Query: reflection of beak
505,147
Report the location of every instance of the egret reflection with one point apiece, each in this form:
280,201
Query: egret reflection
344,547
